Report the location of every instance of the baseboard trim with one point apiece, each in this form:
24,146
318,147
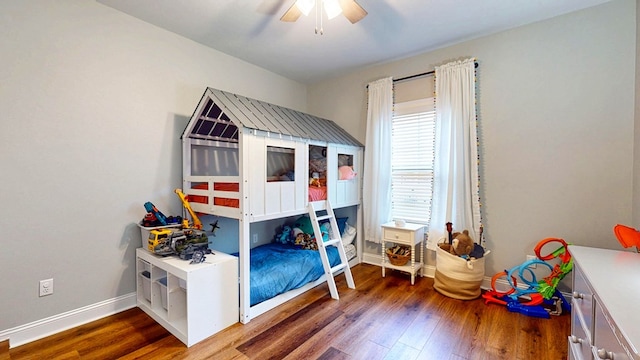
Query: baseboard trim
24,334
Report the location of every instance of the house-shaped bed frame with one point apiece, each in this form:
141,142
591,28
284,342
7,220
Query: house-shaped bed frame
253,161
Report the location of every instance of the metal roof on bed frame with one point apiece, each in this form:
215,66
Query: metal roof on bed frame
219,114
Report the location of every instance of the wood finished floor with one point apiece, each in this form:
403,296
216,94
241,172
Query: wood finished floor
384,318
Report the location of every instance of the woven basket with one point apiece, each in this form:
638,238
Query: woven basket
397,259
456,277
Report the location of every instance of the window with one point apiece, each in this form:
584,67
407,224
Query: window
280,164
412,155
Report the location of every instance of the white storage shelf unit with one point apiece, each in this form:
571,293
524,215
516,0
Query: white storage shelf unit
192,301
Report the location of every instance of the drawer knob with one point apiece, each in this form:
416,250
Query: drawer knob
604,354
576,340
577,295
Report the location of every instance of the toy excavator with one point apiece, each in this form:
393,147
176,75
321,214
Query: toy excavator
195,221
155,217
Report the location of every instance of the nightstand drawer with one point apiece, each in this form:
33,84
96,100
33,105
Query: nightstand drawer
397,235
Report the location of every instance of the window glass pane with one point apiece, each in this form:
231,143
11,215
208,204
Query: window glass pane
280,163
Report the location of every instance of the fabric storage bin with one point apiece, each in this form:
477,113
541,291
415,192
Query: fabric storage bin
456,277
146,285
163,292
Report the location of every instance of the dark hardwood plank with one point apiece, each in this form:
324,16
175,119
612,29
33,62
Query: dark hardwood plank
384,318
286,336
4,350
333,354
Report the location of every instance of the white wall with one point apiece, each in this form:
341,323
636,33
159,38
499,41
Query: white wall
92,105
636,150
556,121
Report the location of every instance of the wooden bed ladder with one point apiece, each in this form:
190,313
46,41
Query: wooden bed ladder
322,246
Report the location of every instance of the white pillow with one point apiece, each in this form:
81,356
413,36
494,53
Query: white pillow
348,235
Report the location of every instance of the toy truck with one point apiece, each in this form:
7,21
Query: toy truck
182,242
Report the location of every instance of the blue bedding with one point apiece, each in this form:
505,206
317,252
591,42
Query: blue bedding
277,268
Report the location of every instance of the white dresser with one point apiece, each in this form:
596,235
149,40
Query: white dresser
605,321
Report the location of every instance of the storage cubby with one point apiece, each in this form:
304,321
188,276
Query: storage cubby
192,301
144,281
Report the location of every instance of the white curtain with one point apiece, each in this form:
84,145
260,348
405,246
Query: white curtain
456,183
376,182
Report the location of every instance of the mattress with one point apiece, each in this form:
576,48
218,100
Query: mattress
317,193
277,268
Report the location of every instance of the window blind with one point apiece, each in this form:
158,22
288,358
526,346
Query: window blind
412,154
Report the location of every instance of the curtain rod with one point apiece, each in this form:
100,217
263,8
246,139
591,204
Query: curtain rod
418,75
422,74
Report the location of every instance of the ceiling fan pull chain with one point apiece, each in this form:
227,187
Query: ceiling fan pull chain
319,12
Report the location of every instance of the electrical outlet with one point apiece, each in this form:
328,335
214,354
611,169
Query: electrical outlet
532,257
46,287
255,238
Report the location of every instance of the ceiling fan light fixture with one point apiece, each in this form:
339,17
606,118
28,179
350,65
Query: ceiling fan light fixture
305,6
332,8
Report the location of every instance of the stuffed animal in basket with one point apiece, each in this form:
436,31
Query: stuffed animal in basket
462,244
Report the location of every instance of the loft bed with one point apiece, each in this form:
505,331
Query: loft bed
253,161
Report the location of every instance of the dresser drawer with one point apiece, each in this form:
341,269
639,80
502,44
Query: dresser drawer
397,235
582,298
576,350
607,345
579,341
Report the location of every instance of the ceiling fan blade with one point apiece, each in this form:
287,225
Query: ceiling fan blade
352,10
292,14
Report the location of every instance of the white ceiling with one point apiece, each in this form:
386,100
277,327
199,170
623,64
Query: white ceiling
394,29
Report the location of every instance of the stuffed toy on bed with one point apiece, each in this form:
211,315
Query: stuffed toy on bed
346,173
308,241
314,182
305,241
285,236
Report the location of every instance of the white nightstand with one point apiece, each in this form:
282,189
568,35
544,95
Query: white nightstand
409,234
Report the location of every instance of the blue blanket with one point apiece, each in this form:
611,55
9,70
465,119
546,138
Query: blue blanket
278,268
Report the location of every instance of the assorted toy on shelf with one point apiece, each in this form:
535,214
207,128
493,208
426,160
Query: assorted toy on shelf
155,217
537,298
186,239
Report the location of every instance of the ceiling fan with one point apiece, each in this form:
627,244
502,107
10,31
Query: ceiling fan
349,8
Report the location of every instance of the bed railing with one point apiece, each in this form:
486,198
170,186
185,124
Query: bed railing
215,195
